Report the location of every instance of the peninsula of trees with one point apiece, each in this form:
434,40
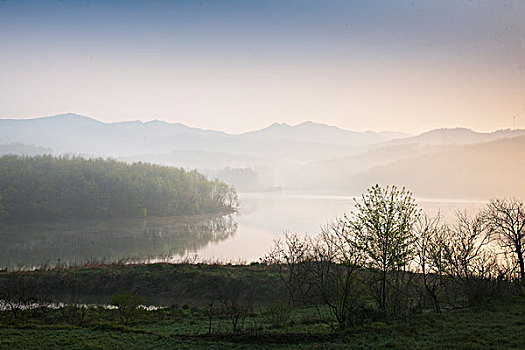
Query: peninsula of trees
65,188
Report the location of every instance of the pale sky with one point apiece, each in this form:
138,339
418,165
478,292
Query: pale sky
242,65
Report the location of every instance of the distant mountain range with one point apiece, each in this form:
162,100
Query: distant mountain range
79,134
453,162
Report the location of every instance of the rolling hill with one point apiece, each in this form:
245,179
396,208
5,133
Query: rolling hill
478,171
455,136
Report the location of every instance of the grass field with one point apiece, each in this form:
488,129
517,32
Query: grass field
161,284
185,323
493,326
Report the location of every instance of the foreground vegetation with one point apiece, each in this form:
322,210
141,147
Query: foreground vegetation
214,321
496,326
160,284
66,188
385,275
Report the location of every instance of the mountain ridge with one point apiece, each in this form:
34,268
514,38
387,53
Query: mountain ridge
456,135
304,124
72,132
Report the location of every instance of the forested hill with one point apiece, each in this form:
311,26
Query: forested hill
64,188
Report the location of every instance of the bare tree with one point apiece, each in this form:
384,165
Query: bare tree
429,258
236,298
18,292
507,219
289,255
334,260
468,261
323,270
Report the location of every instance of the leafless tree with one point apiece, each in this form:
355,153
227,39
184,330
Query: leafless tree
17,293
236,299
506,218
334,260
468,261
288,255
322,269
429,258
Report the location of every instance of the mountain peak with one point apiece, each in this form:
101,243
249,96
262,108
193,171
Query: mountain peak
311,124
278,125
305,124
308,122
157,122
67,119
69,116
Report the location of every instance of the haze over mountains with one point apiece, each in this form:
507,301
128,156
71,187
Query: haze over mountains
321,133
84,135
309,156
455,136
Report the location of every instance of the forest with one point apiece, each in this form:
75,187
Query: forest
69,187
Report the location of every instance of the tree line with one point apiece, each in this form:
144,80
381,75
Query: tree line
69,187
388,258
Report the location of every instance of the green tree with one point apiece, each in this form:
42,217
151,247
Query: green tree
384,219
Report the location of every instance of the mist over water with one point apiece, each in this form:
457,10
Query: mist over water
264,217
244,236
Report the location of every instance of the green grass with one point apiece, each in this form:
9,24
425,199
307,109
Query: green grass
160,284
184,325
493,326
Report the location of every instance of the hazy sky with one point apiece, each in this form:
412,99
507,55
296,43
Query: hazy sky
241,65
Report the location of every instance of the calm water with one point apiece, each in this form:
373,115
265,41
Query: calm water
243,236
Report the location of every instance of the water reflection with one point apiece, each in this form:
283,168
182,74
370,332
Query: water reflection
263,217
141,239
246,236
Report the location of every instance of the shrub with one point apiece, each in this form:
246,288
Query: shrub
127,305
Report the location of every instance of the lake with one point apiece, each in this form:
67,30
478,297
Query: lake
244,236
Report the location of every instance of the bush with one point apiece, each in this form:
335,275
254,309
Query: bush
127,305
277,314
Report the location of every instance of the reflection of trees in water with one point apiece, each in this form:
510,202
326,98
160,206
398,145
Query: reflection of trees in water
215,230
183,237
77,242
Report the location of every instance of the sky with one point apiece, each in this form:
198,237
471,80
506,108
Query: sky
241,65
